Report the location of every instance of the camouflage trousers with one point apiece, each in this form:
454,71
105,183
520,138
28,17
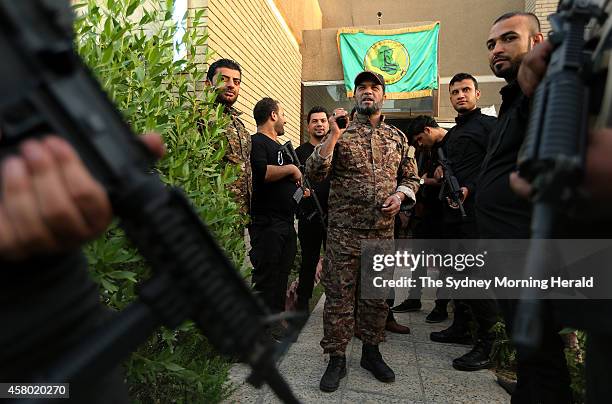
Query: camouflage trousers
341,278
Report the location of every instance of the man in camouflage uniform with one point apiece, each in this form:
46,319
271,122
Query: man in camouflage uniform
226,75
372,172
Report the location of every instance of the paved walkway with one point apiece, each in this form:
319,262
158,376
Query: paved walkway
423,370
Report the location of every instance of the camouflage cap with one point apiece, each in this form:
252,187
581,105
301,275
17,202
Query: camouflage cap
370,75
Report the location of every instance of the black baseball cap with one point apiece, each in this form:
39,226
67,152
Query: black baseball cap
370,75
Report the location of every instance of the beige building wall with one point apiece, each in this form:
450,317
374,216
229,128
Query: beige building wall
255,34
464,27
301,15
542,8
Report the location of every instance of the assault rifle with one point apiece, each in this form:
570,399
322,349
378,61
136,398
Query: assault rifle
288,147
450,187
46,88
552,156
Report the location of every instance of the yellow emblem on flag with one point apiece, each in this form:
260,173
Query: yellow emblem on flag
389,58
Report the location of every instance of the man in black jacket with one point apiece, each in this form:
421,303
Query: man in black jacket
465,147
543,376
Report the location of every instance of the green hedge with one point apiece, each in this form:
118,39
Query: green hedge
133,58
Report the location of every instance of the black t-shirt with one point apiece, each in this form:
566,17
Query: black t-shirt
500,212
307,206
465,147
273,199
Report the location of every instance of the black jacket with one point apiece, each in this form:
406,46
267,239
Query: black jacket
465,147
500,212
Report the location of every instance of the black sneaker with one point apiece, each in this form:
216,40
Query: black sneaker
407,305
436,316
478,358
452,335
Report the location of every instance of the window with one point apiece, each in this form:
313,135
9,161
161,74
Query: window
179,17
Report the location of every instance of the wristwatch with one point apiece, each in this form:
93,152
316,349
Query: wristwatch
422,181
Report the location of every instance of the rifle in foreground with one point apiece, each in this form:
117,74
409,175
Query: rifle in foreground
45,88
552,156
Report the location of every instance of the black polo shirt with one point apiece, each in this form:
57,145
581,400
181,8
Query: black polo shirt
500,212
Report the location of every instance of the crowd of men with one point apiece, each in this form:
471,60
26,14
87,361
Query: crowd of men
362,170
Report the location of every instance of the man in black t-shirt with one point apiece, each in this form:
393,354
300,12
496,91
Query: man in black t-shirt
275,181
310,226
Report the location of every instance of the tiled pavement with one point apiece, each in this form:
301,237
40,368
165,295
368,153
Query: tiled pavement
423,369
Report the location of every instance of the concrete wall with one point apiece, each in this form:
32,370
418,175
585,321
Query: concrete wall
254,33
464,27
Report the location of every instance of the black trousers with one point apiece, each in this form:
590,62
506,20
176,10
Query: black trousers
484,311
542,376
312,236
273,248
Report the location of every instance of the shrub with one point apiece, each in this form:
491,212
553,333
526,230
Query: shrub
131,50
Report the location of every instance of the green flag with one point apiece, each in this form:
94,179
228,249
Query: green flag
407,58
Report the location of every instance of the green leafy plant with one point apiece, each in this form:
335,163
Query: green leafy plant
504,354
130,46
575,357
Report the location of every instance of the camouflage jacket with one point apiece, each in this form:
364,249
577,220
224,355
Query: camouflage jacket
238,152
367,165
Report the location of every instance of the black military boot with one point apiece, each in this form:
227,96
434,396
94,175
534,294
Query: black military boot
372,360
478,358
336,370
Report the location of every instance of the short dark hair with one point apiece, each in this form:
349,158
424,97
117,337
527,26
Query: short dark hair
418,124
229,63
463,76
314,110
535,27
263,109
